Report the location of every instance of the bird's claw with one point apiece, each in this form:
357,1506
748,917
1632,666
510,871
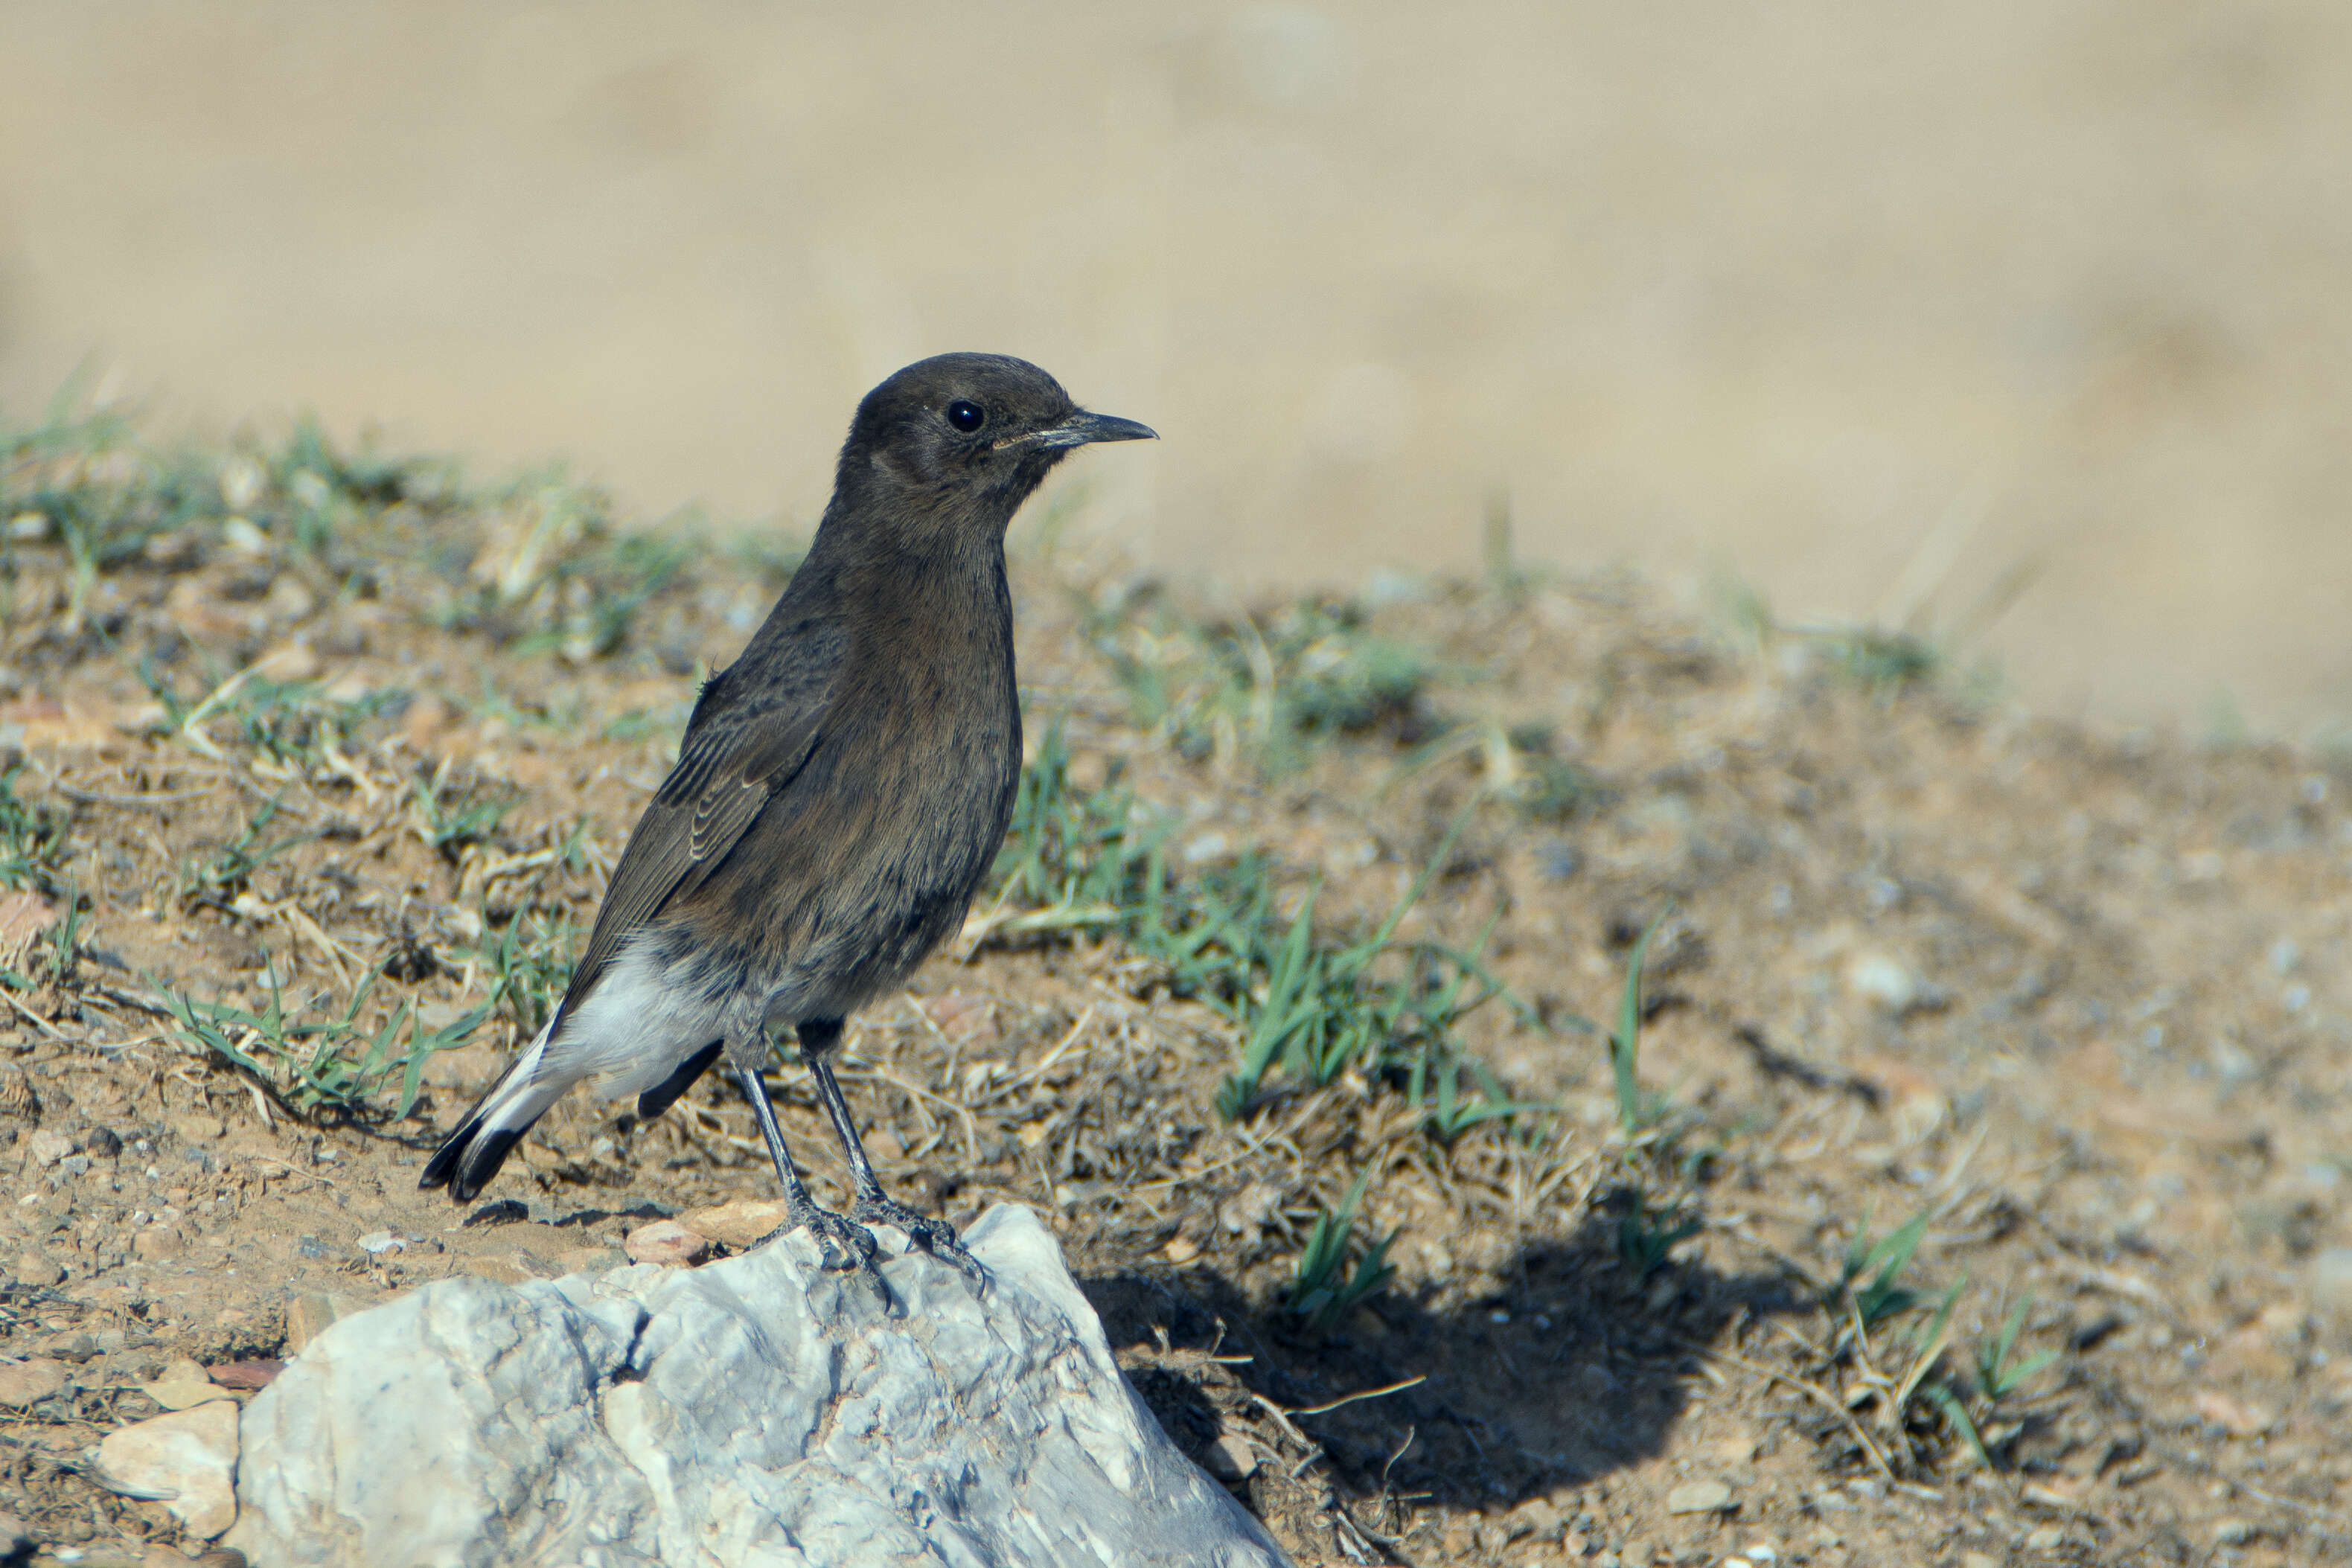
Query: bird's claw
844,1243
936,1236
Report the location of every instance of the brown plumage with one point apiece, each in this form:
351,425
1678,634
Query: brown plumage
840,792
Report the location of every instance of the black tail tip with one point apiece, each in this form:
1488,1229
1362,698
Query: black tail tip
444,1163
467,1161
482,1159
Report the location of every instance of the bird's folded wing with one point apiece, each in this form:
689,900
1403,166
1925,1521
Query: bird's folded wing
738,754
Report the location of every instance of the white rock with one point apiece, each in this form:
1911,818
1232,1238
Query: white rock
758,1411
187,1460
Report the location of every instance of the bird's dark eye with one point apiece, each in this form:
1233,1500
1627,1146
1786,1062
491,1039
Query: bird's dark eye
966,416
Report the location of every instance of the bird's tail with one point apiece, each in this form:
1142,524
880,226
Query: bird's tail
472,1154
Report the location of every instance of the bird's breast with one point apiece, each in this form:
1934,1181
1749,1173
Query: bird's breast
877,844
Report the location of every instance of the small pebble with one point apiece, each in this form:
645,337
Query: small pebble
24,1383
667,1242
1231,1459
2236,1416
105,1143
183,1386
741,1224
1249,1210
1883,981
255,1374
48,1147
377,1242
158,1241
588,1259
1539,1518
2330,1277
2047,1539
1206,848
185,1460
38,1269
241,536
1699,1497
198,1128
289,600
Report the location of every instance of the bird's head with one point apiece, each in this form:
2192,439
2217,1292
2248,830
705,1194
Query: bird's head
966,437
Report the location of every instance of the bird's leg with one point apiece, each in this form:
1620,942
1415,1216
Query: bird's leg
869,1204
835,1235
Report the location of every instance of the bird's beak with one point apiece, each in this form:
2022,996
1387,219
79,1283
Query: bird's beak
1084,429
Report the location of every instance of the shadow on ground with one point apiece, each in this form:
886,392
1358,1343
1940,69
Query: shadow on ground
1581,1369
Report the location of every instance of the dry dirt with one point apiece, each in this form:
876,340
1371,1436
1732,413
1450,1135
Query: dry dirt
2073,997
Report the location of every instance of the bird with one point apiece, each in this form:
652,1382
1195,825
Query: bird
840,792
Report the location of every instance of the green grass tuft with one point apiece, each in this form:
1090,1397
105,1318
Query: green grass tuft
1646,1237
1637,1108
450,816
216,878
1306,1004
32,838
1322,1290
322,1063
529,964
1882,1297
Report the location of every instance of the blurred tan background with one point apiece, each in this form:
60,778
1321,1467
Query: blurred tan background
1870,304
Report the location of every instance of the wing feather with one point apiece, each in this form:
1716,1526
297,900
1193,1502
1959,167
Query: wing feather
747,740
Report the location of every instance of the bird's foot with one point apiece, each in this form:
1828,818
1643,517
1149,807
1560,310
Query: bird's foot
936,1236
844,1243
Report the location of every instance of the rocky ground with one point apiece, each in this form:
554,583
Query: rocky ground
1974,1192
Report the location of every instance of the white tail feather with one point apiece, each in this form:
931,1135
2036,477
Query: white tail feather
518,1097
